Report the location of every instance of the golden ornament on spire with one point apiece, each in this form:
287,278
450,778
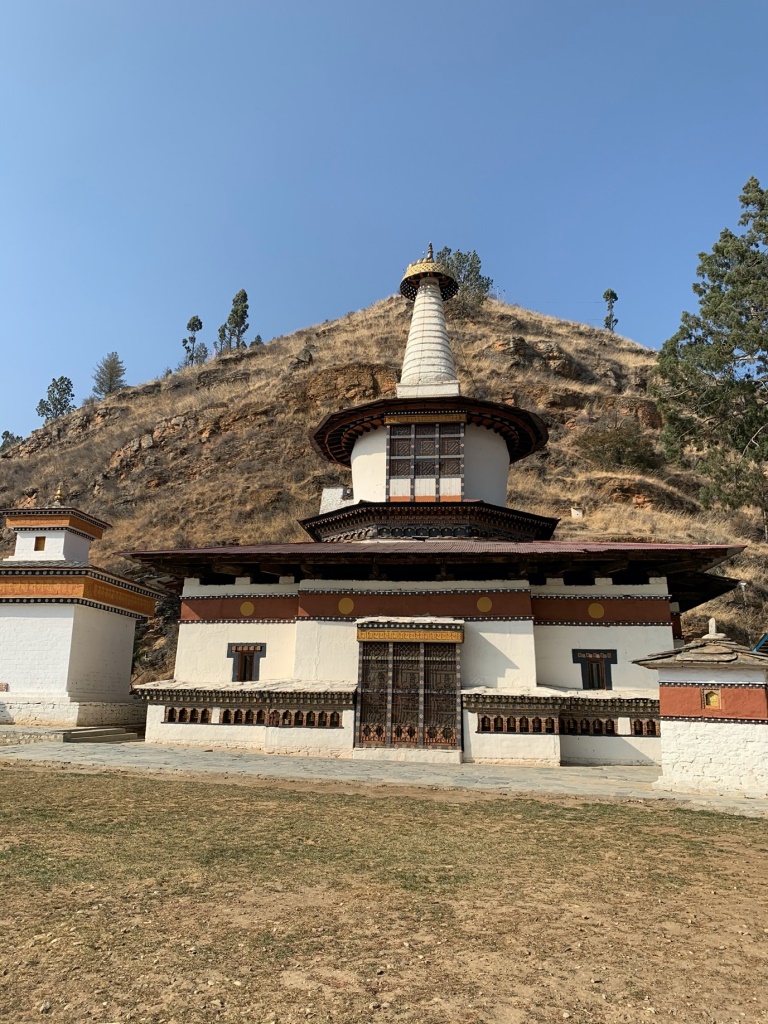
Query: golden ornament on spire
59,496
428,268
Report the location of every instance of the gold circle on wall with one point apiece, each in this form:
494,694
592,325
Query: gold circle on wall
596,610
484,604
247,608
346,605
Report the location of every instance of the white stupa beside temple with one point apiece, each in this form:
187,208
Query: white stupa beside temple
66,626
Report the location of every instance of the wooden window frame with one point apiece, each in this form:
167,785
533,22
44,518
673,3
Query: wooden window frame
245,661
440,431
590,659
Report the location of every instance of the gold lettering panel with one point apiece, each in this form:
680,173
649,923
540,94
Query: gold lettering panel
456,417
419,636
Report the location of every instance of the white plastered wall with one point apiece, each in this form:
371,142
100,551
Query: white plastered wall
714,757
318,742
486,465
101,655
369,466
610,749
555,646
35,645
60,545
201,656
498,654
326,650
503,748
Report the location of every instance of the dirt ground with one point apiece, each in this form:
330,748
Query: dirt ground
151,900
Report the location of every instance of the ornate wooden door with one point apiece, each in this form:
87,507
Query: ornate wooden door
409,695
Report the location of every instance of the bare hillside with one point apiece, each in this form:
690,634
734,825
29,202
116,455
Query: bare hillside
220,454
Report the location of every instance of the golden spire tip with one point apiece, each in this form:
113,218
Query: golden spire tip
59,494
430,254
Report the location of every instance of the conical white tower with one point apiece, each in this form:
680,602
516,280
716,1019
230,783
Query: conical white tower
428,366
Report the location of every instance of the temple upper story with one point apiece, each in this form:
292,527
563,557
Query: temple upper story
428,447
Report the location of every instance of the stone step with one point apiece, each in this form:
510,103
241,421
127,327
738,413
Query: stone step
104,734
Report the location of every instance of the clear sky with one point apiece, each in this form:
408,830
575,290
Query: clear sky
158,155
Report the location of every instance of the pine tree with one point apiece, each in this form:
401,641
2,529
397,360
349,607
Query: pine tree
712,379
196,351
8,440
109,375
232,333
610,298
473,287
59,400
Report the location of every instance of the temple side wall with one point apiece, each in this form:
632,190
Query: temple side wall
498,654
555,645
201,656
101,655
714,757
369,466
501,748
326,650
35,644
267,739
60,545
610,749
486,465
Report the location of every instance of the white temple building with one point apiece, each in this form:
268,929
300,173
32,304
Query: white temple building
423,619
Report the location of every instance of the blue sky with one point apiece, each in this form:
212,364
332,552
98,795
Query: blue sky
155,157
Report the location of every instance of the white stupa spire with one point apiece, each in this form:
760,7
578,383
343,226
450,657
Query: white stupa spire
428,366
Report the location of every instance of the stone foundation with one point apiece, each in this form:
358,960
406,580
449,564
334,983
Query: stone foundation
62,712
710,756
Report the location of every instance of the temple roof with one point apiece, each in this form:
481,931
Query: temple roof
710,652
684,565
524,432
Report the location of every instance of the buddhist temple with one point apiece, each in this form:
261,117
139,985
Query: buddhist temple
424,619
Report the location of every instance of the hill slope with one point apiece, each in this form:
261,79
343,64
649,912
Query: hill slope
220,454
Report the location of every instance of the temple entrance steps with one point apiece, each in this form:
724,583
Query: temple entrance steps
101,734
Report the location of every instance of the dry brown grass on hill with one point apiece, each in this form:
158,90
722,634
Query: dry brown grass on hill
220,453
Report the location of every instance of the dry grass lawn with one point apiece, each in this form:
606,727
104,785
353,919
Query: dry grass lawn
129,898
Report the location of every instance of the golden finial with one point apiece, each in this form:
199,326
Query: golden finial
58,497
428,267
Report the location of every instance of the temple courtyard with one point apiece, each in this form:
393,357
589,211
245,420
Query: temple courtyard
136,890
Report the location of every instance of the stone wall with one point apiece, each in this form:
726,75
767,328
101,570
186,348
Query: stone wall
715,757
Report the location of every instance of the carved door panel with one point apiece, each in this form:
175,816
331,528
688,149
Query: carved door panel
409,695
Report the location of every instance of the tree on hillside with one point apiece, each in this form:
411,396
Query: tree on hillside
59,400
109,375
8,440
473,287
196,351
232,333
610,298
712,377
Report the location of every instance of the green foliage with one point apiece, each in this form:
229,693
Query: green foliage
712,378
196,351
8,440
232,333
256,342
59,400
473,287
610,298
621,447
109,375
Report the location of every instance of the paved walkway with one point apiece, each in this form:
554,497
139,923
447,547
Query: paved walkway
609,782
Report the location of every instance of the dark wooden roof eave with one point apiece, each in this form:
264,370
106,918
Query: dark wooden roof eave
334,438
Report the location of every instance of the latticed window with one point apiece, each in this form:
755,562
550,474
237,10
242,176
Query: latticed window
426,462
409,695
